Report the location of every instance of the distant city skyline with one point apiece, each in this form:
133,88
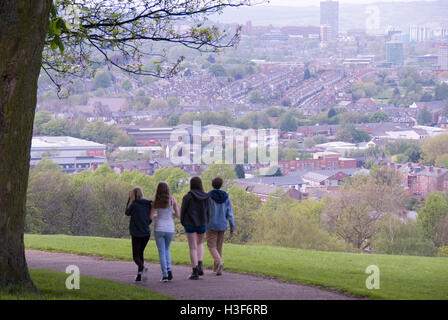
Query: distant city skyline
353,14
329,16
302,3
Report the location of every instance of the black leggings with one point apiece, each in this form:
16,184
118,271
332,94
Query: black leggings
138,248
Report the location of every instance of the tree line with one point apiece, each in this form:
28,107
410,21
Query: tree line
284,119
363,214
409,88
96,131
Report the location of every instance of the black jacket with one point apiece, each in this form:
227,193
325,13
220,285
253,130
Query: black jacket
139,212
195,208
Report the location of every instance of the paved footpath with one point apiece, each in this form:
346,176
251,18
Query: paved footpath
229,286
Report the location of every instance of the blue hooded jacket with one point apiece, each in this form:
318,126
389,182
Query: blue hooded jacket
220,211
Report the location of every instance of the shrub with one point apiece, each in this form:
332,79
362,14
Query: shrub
397,237
443,252
282,221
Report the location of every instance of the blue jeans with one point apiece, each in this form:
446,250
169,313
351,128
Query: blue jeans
163,241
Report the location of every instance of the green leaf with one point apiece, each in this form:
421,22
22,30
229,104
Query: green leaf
54,45
61,47
53,28
56,31
57,43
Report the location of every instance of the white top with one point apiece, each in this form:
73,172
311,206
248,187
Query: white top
164,221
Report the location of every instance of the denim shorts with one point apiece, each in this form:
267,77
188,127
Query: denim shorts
195,229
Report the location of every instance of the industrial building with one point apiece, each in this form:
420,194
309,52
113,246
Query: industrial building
72,154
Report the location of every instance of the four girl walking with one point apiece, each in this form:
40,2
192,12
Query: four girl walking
202,214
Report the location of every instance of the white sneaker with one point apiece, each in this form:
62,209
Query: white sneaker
145,274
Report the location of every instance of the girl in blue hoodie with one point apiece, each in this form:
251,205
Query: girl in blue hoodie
220,214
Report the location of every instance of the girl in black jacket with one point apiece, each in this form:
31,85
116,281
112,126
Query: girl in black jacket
139,208
194,216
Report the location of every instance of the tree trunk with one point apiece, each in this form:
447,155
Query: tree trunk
23,26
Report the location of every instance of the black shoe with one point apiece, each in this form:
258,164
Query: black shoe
200,270
139,278
170,275
219,270
194,275
164,279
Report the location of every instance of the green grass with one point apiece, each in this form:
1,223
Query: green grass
51,286
401,277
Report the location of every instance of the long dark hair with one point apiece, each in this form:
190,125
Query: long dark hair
196,183
163,196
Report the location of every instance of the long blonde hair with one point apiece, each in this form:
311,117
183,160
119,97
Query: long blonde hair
135,194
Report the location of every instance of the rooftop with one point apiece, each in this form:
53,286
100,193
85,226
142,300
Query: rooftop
278,181
63,142
420,170
329,173
336,144
317,177
156,129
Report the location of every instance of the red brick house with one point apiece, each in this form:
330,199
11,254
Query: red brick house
310,131
422,180
323,161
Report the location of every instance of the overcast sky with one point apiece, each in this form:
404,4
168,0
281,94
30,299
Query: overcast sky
300,3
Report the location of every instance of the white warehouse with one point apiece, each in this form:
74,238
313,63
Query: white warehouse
72,154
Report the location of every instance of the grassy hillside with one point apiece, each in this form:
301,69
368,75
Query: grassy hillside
51,285
401,277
